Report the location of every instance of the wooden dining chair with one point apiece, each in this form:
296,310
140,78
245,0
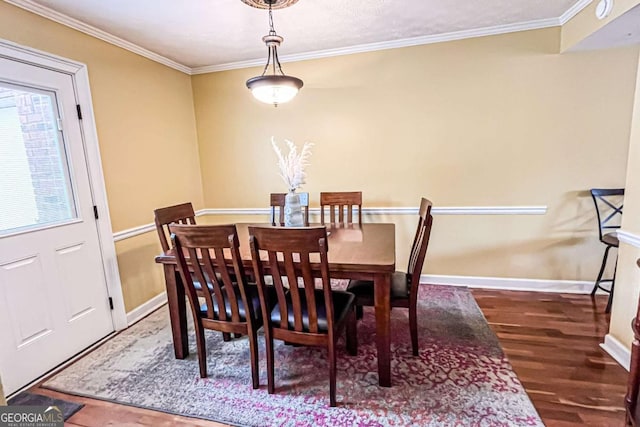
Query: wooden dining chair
233,306
404,286
277,208
340,201
180,214
300,314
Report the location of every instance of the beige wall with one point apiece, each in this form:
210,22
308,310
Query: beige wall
627,290
585,23
500,120
146,128
491,121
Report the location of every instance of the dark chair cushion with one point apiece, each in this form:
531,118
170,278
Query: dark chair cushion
610,239
342,303
400,287
252,296
198,286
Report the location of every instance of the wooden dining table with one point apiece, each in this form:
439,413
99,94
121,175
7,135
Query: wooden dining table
364,252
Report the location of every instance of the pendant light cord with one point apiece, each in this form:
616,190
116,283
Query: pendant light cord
273,49
271,30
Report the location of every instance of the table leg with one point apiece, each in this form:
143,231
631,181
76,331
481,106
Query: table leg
382,285
177,311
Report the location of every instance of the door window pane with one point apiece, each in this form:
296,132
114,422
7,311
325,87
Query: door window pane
35,187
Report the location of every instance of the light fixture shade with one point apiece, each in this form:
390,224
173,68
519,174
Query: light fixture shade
274,89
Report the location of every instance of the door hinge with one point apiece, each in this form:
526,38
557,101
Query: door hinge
79,111
95,211
111,303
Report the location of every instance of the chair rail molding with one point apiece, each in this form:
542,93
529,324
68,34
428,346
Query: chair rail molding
444,210
400,210
628,238
134,231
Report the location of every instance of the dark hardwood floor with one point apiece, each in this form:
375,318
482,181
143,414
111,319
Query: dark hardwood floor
552,341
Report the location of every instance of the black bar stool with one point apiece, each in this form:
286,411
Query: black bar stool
609,203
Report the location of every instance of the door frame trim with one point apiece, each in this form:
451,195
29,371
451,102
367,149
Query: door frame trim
80,77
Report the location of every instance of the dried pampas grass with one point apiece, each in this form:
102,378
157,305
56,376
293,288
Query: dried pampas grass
292,166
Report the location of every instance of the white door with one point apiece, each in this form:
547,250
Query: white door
53,293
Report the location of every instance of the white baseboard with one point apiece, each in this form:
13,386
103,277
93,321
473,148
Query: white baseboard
142,310
511,284
617,350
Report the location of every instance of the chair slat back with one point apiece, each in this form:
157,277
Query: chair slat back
291,253
420,243
337,203
180,214
609,203
216,248
277,208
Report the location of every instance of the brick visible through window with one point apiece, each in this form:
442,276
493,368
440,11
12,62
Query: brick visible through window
34,179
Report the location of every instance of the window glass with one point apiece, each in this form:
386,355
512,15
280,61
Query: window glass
35,187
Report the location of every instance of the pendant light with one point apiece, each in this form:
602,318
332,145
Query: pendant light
276,87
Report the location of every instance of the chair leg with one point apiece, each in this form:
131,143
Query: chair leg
226,336
253,349
359,312
270,377
332,373
352,334
202,351
613,282
602,267
413,326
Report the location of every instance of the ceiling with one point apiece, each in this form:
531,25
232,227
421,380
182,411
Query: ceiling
622,31
209,35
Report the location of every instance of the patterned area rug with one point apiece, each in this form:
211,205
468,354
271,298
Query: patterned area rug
461,376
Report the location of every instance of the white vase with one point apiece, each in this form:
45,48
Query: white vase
293,210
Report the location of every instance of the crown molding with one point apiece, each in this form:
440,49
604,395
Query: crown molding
66,20
63,19
235,65
392,44
573,11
